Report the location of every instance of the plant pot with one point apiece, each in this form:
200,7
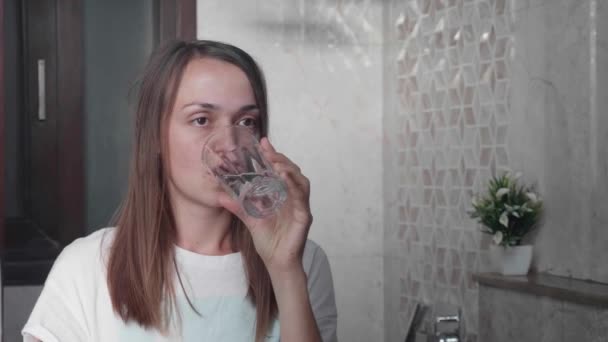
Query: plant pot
515,260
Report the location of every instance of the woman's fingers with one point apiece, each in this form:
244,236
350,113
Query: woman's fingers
273,156
303,185
301,204
266,145
280,162
284,167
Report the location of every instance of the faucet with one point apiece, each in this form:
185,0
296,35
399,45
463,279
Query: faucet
451,333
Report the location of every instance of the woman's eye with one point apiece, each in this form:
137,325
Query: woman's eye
202,121
247,122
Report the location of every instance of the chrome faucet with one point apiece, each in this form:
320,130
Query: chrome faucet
447,328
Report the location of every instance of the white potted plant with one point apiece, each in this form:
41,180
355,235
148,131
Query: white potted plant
508,211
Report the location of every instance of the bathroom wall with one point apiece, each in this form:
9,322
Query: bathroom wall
599,233
559,129
323,62
512,316
446,123
474,88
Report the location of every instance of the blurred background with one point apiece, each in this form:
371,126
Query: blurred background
398,112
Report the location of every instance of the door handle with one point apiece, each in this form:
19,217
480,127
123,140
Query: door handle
41,90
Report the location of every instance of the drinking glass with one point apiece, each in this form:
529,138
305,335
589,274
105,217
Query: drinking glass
234,156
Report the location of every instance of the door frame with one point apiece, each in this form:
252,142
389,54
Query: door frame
2,137
70,127
176,19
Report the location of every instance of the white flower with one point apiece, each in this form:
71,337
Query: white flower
515,211
504,219
517,176
501,192
497,238
474,201
532,197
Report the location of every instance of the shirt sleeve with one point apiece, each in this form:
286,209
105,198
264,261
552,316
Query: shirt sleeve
59,313
321,292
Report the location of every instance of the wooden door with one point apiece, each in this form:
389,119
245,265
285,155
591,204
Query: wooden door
49,121
51,182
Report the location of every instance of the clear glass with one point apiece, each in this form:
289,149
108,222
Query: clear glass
233,155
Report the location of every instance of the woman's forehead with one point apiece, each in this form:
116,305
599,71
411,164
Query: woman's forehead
213,81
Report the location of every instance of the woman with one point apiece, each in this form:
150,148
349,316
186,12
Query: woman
184,262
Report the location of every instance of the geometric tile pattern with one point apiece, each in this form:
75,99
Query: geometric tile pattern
453,89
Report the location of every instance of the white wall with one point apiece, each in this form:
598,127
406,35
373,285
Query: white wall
558,136
323,63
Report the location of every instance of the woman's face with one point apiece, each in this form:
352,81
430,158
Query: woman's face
212,94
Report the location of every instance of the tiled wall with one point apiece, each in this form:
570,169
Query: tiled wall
447,75
474,87
323,62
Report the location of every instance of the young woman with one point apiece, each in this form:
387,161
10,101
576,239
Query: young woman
184,262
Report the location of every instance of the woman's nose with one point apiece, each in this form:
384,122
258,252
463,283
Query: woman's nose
227,140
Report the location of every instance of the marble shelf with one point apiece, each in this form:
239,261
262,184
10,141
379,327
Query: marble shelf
560,288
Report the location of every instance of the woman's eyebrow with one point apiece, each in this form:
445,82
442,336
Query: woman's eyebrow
205,105
214,107
249,107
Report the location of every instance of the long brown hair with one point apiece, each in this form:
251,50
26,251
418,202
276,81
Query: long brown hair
141,265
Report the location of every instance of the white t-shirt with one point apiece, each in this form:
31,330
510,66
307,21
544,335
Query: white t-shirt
75,303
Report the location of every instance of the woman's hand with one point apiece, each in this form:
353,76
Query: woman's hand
280,239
